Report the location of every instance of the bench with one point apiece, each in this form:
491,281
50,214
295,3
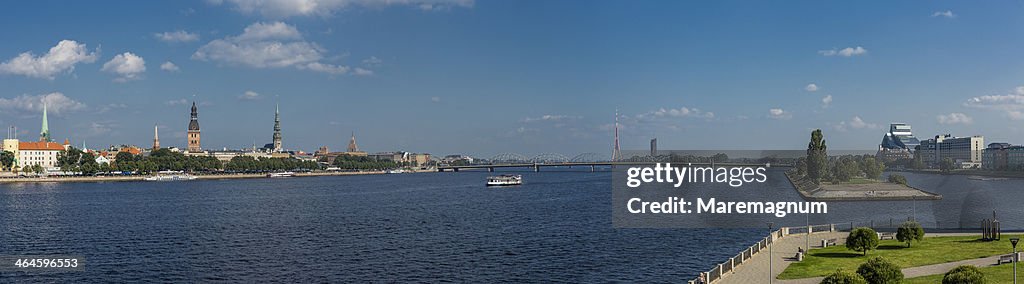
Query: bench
1005,259
883,236
828,242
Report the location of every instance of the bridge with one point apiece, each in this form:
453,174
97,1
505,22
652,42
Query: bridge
592,160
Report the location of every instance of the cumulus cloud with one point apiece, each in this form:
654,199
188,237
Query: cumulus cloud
61,58
954,118
373,61
127,66
845,52
169,67
322,8
270,45
811,87
56,103
826,101
1010,103
778,113
945,14
177,36
249,96
179,102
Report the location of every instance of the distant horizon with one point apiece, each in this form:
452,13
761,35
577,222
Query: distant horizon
487,77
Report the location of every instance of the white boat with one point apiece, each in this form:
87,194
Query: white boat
504,180
281,174
173,177
397,171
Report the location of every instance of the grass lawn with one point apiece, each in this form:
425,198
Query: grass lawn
861,181
993,274
933,250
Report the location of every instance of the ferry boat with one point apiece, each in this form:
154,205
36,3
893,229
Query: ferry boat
281,174
171,177
504,180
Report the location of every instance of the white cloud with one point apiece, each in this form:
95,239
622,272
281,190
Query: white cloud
127,65
826,101
56,103
177,36
946,14
435,99
677,112
1010,103
249,96
323,8
551,117
270,45
845,52
778,113
61,58
372,61
181,102
811,87
859,123
169,66
954,118
363,72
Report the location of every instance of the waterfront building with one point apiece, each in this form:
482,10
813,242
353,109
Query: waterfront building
1002,157
966,152
277,130
412,159
11,145
193,131
654,147
43,153
897,144
102,159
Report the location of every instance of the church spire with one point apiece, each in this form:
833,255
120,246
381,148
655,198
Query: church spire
44,134
277,129
156,137
352,147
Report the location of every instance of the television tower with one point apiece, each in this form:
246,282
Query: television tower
616,154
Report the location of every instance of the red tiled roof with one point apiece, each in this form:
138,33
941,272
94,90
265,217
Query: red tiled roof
40,146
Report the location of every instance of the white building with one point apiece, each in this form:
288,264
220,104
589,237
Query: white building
966,152
43,153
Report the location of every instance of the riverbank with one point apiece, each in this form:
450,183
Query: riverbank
857,192
984,173
198,176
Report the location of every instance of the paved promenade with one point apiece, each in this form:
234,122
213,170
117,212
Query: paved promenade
755,270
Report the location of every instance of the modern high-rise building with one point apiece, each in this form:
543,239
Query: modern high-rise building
966,152
898,143
277,129
193,131
654,147
616,153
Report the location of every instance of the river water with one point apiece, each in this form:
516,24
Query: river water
426,227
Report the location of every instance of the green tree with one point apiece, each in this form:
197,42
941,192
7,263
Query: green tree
862,239
845,168
964,274
6,160
897,178
843,277
910,231
878,270
946,165
918,162
872,168
87,164
69,160
816,156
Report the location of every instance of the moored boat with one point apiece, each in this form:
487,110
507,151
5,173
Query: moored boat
281,174
171,177
504,180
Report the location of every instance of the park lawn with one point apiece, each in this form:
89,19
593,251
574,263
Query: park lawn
861,181
993,274
933,250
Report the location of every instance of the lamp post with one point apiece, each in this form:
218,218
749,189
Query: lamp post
1014,242
771,240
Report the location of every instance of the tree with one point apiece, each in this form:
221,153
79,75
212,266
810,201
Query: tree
843,277
862,239
918,162
872,168
878,270
946,165
964,274
816,156
896,178
6,160
910,231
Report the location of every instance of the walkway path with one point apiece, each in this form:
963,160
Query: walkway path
755,270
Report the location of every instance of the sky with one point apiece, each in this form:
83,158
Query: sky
529,77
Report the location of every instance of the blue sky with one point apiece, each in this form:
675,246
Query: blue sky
486,77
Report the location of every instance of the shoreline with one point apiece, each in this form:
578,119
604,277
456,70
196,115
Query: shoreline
814,192
4,180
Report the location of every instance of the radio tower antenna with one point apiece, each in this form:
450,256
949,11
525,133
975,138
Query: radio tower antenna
616,154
